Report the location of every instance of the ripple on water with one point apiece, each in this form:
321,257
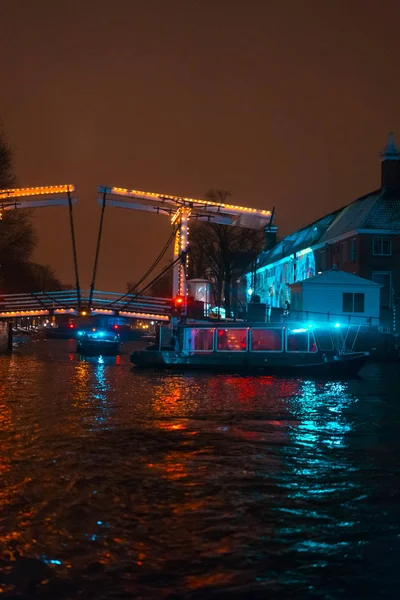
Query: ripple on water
118,483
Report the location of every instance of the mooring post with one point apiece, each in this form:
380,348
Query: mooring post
9,337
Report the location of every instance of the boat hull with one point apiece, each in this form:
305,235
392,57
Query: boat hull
342,365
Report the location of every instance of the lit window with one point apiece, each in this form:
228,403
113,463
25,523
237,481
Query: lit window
229,340
353,303
266,340
199,340
382,246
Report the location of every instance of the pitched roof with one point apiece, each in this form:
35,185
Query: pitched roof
298,240
377,210
336,277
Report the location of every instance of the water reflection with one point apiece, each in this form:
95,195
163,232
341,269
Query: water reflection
320,409
135,484
101,389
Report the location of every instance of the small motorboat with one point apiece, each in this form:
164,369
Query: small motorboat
94,342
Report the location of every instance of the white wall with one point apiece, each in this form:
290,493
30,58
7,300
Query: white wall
318,298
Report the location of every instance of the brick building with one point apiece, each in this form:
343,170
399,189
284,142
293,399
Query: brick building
362,238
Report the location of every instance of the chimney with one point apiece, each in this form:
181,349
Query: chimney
270,237
390,157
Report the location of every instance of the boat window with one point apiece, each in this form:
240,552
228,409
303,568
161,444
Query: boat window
199,340
298,340
266,340
312,344
324,339
232,340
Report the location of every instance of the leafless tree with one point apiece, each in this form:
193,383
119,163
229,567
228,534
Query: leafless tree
161,288
7,176
222,252
18,240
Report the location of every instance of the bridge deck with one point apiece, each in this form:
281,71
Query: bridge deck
66,302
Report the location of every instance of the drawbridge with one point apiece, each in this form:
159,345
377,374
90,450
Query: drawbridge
133,304
66,302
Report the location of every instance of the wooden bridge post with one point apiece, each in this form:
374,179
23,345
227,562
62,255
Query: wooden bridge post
9,336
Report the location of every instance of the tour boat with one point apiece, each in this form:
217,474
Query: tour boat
93,342
287,348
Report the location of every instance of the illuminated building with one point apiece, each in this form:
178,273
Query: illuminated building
362,238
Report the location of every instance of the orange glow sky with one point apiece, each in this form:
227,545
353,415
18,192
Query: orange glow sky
284,104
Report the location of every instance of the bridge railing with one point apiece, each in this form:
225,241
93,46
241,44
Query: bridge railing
66,301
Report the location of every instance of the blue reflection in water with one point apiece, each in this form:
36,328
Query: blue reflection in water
101,388
51,561
320,409
317,469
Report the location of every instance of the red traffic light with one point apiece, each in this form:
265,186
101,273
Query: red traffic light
179,304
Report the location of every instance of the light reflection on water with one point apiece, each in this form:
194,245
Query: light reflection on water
119,483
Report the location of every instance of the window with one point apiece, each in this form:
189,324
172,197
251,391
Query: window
359,302
300,340
384,279
324,340
229,340
344,247
353,303
353,249
199,340
266,340
382,246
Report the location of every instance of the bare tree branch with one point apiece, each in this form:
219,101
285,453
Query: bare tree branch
222,253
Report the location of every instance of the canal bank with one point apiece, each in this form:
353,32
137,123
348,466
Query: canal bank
6,336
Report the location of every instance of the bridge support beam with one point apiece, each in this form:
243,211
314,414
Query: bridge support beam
181,219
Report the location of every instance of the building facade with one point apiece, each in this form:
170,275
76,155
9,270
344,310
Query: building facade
362,238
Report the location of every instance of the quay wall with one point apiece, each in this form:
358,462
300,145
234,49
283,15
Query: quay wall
3,336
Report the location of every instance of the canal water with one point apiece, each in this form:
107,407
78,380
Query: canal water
116,483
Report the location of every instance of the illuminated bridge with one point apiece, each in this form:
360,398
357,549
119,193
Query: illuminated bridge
71,302
180,210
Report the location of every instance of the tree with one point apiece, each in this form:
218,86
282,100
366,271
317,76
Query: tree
161,288
221,252
17,236
18,240
44,278
7,176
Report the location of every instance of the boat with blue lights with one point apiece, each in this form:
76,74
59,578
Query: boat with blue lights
275,348
94,342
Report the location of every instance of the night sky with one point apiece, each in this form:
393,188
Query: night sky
284,104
